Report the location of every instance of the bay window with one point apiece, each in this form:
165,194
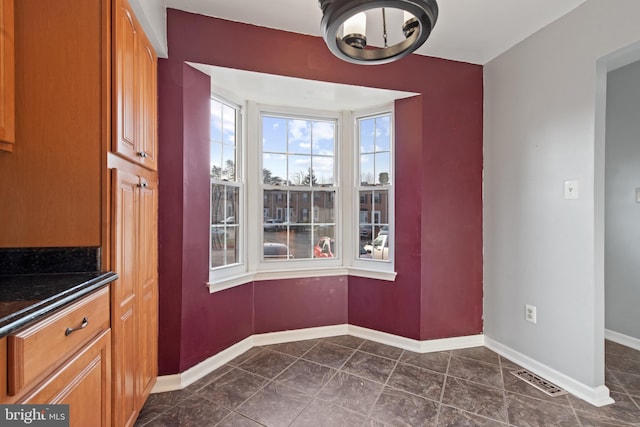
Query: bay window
318,199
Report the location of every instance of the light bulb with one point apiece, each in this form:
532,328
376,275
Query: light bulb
357,24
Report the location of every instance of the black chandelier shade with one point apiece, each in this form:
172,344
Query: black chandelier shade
351,47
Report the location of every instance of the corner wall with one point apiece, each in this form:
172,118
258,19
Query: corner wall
539,131
622,214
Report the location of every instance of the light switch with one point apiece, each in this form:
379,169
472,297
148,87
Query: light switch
571,189
637,195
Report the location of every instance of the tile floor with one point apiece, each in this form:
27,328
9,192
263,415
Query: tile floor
348,381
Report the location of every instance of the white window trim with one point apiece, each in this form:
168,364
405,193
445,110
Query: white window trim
347,210
228,274
362,267
314,265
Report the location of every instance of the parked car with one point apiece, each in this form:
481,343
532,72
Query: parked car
379,248
323,248
276,251
365,230
274,225
229,220
383,230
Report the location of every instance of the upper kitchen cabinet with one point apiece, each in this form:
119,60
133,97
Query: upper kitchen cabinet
134,90
7,77
52,185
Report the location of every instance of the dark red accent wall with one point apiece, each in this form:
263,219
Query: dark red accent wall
438,290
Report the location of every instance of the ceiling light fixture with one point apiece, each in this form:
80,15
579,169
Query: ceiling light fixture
344,25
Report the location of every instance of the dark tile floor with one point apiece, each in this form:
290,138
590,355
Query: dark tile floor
348,381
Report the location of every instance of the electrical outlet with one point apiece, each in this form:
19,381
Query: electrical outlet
530,313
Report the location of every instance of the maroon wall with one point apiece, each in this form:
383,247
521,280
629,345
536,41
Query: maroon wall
438,291
300,303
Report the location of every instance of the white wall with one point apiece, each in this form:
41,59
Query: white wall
622,214
540,249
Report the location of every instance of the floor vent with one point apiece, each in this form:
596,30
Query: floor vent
540,383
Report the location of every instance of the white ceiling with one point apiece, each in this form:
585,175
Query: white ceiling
474,31
268,89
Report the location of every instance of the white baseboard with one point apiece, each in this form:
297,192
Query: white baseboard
427,346
597,396
193,374
179,381
299,335
622,339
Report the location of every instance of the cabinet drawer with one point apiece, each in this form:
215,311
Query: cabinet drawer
36,351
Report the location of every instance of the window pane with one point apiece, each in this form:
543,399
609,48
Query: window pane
274,169
300,203
300,172
275,202
367,170
274,135
383,168
323,138
381,207
216,121
229,163
299,136
322,171
367,135
324,207
325,246
229,125
216,160
383,133
373,222
225,231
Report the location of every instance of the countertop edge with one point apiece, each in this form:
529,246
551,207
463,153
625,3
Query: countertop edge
78,291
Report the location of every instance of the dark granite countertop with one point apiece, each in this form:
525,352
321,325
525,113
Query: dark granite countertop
25,298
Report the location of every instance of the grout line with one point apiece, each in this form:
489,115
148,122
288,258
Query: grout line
444,385
504,389
384,385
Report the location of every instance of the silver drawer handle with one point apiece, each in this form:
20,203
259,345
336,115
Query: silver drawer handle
142,154
85,322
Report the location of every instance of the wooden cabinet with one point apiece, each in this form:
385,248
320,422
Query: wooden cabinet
84,175
64,358
134,207
62,334
135,293
83,383
51,186
134,90
7,77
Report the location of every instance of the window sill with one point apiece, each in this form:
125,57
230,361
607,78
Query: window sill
389,276
241,279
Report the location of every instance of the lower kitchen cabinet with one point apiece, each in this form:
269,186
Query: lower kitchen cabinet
84,384
63,358
134,301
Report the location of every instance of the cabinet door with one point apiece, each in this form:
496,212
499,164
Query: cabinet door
135,65
147,78
147,290
83,383
7,77
125,90
124,299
